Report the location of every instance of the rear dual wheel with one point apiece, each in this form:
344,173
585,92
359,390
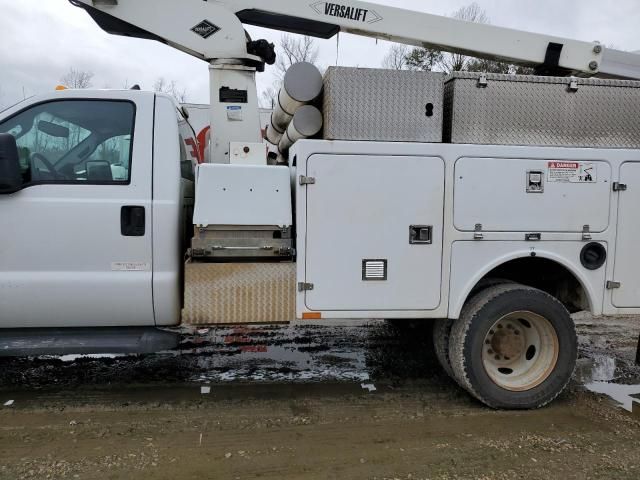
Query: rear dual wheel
513,347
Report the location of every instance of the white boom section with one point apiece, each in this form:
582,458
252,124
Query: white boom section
214,31
176,23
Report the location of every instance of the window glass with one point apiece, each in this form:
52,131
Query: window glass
74,141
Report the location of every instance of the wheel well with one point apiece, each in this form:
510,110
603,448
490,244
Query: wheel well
545,275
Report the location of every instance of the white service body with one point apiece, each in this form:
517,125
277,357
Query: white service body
366,195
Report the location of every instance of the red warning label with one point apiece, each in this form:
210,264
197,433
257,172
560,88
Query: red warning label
572,172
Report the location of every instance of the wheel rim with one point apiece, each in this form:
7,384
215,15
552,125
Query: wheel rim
520,351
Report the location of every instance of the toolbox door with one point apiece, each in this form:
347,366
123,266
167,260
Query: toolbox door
374,233
627,262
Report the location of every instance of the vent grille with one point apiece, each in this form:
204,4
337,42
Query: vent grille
374,270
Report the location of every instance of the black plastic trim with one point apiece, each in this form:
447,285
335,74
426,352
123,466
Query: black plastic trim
115,26
302,26
551,65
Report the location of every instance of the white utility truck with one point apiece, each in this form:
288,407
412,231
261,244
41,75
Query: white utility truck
495,205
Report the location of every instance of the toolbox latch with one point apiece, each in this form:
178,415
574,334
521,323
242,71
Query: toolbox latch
477,234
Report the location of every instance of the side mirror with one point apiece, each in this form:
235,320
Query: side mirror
10,174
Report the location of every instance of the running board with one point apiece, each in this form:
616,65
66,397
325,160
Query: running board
82,341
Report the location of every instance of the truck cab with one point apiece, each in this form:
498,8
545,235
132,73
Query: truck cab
95,234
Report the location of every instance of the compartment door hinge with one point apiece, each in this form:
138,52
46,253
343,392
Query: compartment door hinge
307,180
619,187
613,285
305,287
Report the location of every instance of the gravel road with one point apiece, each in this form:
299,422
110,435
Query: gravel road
287,402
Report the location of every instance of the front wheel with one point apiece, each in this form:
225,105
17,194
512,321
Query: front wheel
513,347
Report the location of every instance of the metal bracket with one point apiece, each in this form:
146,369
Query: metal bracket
307,180
483,82
586,233
619,187
305,287
478,235
573,85
613,285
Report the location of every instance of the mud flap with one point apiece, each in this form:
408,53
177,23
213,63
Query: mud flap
638,352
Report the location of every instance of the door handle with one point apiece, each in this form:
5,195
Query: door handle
420,235
132,221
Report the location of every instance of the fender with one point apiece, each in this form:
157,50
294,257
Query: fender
455,305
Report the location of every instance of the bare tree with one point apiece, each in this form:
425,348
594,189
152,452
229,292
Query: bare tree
396,57
170,88
268,97
77,78
430,59
291,50
454,62
492,66
425,59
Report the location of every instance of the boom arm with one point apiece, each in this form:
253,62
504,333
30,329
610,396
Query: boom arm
214,30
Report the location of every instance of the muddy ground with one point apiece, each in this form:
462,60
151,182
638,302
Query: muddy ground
287,402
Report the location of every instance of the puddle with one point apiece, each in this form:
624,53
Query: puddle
358,352
599,375
628,396
341,352
311,353
281,354
94,356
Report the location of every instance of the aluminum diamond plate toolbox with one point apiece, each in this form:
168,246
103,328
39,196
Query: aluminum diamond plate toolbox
500,109
232,293
383,105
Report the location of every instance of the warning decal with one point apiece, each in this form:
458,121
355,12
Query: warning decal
572,172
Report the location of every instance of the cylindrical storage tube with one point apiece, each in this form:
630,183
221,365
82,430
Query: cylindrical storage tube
301,85
273,134
306,123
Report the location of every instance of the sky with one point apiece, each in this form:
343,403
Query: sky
40,40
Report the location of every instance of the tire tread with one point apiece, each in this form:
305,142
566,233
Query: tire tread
460,331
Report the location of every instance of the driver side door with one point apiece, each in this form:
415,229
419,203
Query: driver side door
75,242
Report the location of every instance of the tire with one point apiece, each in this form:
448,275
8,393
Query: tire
513,347
442,327
441,333
489,282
